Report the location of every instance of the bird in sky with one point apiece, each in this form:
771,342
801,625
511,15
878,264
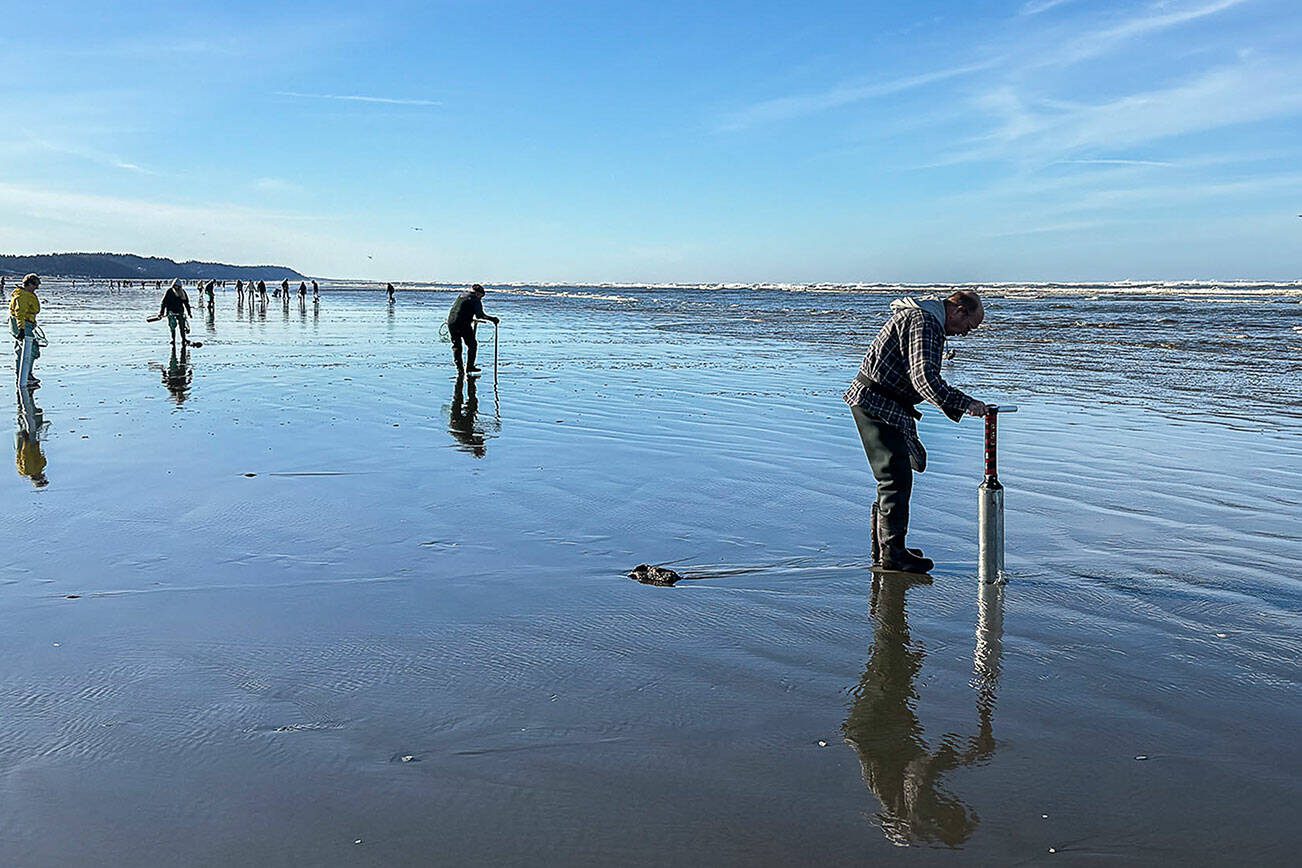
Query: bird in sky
418,228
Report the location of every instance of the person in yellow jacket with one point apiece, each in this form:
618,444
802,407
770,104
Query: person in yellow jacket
23,308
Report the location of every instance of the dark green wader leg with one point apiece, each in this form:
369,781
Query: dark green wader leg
887,449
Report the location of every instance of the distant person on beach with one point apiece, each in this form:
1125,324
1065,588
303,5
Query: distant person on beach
468,308
176,307
211,284
900,371
389,289
316,293
302,291
262,291
23,308
239,291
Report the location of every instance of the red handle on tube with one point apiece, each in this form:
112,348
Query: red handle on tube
992,432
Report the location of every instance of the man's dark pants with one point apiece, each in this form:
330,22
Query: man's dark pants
887,448
472,345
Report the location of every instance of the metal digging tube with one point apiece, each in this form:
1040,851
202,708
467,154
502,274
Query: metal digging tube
990,505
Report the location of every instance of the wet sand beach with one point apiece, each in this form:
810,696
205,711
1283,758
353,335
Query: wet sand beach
299,599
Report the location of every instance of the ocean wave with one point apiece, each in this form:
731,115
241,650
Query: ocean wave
1001,289
625,292
539,292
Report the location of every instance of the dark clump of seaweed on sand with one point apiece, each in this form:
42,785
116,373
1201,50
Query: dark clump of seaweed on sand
651,575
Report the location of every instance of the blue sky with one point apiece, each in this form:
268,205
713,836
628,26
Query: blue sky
629,141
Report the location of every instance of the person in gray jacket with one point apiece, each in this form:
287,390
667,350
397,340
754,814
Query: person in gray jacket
900,371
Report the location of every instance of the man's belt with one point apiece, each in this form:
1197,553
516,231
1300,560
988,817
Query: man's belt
888,393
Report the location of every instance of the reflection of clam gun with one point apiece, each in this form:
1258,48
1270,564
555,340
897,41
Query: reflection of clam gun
990,503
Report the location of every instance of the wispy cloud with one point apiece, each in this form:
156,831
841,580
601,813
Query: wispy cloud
1113,163
100,158
1048,229
1129,197
1035,130
1062,184
94,209
1084,46
789,107
222,36
275,185
383,100
150,48
1035,7
1098,42
1036,205
43,218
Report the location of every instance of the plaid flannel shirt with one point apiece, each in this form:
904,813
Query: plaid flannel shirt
904,362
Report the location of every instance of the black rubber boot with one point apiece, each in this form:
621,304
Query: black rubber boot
877,546
905,561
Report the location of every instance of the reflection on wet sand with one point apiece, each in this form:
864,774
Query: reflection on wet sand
178,375
883,727
464,424
29,454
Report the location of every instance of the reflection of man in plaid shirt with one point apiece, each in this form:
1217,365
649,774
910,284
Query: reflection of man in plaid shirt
901,370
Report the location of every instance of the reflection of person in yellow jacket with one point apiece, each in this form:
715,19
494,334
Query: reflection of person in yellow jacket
30,459
23,308
28,455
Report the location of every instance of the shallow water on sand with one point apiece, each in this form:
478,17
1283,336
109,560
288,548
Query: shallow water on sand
297,599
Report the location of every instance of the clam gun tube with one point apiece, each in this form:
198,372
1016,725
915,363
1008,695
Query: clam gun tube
990,504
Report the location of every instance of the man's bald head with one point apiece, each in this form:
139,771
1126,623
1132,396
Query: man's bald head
963,312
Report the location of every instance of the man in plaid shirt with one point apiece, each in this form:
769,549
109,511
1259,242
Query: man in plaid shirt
901,370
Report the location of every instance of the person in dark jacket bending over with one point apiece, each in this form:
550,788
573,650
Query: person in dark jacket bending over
901,370
176,307
468,307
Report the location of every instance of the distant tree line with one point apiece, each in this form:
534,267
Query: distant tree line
128,266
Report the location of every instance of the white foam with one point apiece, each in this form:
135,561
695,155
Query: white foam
1225,289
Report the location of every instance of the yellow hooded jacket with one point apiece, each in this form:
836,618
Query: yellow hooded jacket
24,305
